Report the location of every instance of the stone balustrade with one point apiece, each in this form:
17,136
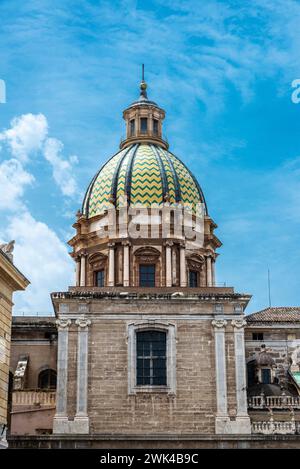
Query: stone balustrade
275,427
29,398
274,402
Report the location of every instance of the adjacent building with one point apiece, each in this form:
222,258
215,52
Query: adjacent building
11,280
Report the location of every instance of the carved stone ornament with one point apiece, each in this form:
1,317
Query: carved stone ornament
82,322
195,262
238,323
62,324
219,323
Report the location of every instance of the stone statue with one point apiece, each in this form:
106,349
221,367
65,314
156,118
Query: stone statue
8,249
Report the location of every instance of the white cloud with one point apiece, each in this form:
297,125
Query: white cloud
26,135
62,168
13,182
43,258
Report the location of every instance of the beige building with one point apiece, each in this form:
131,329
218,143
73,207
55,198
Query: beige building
151,352
11,280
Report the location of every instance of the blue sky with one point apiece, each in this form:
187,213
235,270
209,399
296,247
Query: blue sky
222,70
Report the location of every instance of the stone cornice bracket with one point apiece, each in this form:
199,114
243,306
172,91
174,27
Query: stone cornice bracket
219,323
238,323
63,324
83,323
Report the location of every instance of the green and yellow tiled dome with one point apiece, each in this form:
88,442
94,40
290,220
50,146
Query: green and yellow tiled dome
147,174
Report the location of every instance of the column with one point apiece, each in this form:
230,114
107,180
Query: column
77,272
126,263
111,265
81,417
82,270
208,272
183,282
213,272
168,265
221,379
242,417
60,421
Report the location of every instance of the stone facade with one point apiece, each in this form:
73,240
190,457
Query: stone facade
11,280
190,403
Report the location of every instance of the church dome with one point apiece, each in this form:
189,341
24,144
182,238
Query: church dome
146,173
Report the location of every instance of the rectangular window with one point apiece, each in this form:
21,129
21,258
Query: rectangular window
151,358
193,278
266,376
155,126
147,275
144,125
258,336
99,278
132,127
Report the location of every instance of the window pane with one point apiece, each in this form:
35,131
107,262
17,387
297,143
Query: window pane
147,275
100,278
151,358
266,376
193,278
132,127
144,125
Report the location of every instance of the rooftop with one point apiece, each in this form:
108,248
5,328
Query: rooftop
278,314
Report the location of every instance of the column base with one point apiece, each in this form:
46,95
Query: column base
80,425
239,426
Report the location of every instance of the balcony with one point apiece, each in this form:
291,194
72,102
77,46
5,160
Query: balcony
29,398
273,402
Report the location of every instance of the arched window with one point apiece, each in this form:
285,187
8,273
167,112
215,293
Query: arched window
47,379
151,369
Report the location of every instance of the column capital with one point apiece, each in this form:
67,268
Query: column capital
219,323
126,243
83,254
63,324
238,324
82,323
169,243
111,245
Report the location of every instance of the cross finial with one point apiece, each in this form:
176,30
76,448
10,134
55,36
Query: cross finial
143,72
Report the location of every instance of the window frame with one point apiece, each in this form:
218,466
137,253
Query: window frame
144,120
170,330
141,265
151,358
95,278
194,273
50,374
258,334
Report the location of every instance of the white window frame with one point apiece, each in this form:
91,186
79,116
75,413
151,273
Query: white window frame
170,330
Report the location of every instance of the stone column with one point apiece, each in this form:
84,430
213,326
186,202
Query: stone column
208,272
82,269
168,264
60,421
183,282
81,418
77,272
111,265
222,417
213,272
126,245
242,417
